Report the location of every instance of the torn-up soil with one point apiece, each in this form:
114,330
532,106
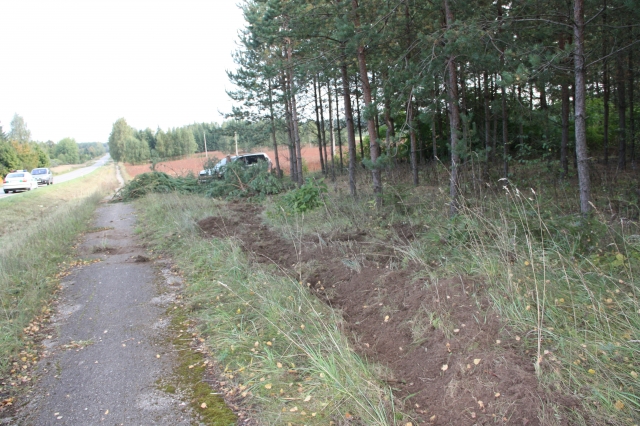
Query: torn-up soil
448,357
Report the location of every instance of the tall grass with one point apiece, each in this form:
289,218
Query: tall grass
282,347
40,230
566,286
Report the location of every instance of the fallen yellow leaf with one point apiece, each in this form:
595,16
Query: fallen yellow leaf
203,405
294,409
445,367
308,398
386,318
279,365
592,371
619,405
477,361
267,386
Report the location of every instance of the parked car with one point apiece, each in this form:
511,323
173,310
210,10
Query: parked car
246,159
19,181
43,175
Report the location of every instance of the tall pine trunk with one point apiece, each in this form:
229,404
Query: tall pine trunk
605,86
580,107
333,143
273,132
293,170
487,120
412,138
454,120
294,112
348,117
338,130
622,121
315,100
359,120
368,102
632,130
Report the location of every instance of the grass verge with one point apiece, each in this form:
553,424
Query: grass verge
566,286
282,347
34,247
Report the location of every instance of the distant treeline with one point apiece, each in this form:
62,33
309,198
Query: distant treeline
18,151
139,146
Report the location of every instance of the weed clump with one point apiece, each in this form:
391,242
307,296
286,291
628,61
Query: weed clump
305,198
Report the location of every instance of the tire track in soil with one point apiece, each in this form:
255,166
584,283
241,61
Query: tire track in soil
384,308
110,346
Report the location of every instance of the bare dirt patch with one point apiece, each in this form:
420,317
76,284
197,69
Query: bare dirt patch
447,356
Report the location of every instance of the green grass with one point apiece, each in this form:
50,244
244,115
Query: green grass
567,286
280,345
37,205
33,248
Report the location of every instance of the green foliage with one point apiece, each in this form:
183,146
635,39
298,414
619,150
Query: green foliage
67,151
8,158
119,133
19,131
240,181
157,182
305,198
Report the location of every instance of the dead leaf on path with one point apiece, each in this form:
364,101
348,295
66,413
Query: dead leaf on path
477,361
203,405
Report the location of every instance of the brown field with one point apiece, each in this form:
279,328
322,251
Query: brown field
194,163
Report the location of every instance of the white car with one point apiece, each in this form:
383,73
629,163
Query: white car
19,181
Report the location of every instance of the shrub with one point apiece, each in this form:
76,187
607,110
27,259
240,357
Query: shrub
305,198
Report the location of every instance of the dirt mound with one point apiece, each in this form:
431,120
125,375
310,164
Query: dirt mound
447,360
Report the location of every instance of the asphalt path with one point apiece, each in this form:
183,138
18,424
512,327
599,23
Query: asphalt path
111,348
71,175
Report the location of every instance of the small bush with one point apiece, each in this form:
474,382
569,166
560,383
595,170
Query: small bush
305,198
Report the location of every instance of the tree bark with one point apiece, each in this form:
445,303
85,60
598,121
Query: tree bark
580,107
294,111
487,119
622,121
505,132
605,86
564,159
348,117
632,130
335,82
412,138
315,100
293,170
273,132
452,88
333,143
359,120
371,123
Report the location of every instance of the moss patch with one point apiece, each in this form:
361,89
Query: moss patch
187,376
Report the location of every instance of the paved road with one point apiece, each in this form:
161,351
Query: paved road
111,347
73,174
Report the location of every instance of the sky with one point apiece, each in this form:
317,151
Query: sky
71,68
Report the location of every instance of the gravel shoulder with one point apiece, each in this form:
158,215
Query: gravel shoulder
110,344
